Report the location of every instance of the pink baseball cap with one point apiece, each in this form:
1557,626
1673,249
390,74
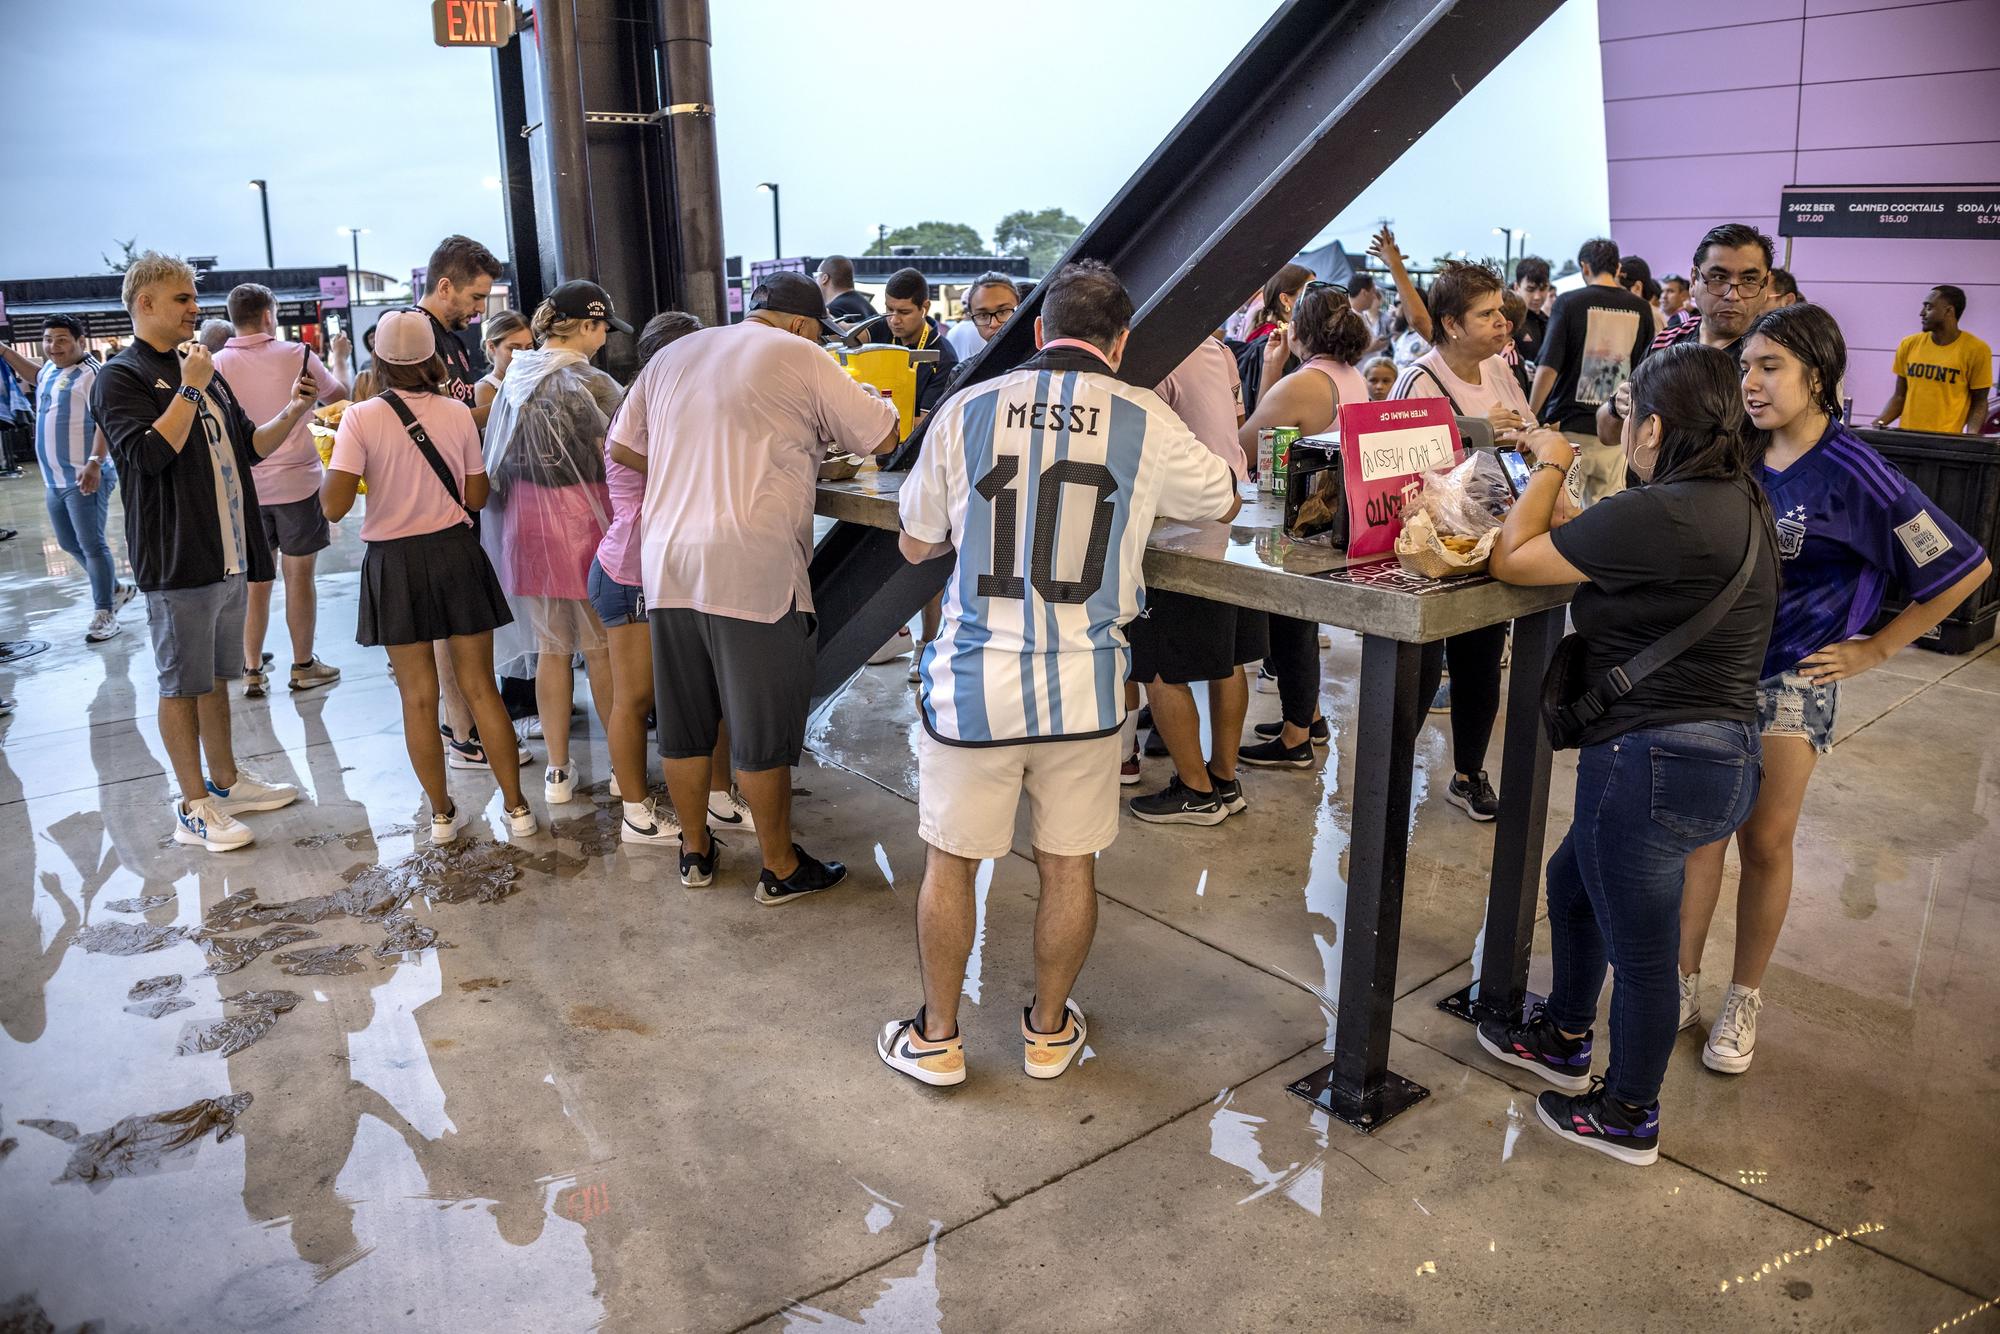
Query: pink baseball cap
404,338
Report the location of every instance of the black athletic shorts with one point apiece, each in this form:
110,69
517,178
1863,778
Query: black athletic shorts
757,676
1181,639
296,527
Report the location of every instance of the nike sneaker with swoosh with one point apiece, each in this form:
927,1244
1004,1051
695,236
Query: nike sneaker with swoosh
1046,1055
903,1047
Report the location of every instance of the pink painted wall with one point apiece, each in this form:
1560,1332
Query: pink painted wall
1711,107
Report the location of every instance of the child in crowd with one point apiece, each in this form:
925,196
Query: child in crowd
424,577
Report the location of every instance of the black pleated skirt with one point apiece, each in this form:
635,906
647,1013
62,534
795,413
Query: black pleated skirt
432,586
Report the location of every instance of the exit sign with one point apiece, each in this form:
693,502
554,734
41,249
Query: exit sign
472,22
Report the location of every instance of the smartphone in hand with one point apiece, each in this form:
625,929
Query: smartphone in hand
1518,469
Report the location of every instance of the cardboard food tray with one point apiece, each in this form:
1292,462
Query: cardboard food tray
1420,550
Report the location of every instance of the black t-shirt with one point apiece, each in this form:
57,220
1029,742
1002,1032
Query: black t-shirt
460,377
850,306
1528,342
1656,555
1596,336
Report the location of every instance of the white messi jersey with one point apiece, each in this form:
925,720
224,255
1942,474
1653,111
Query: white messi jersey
1047,480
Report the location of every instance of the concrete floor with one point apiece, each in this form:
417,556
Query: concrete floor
612,1103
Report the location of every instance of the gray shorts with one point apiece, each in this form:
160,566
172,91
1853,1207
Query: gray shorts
757,676
297,527
197,636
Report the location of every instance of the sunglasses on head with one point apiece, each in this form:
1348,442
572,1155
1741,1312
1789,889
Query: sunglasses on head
1321,284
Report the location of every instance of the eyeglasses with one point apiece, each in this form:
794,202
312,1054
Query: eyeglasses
1719,283
984,317
1321,284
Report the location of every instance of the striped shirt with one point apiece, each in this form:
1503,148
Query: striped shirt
1047,480
1849,528
64,427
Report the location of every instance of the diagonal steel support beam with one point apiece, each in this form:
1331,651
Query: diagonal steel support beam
1319,103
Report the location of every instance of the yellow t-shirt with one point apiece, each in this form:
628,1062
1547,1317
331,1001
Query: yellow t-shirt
1938,382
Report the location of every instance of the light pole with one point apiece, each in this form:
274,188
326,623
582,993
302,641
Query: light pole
777,233
881,238
354,284
263,189
1506,251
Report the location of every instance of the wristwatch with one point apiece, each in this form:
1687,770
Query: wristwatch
190,393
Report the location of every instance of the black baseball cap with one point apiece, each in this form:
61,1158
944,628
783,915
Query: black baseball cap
581,300
793,294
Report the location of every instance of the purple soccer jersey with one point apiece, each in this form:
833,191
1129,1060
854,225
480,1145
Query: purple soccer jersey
1849,528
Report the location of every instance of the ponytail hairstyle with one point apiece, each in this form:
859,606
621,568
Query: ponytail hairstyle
1812,335
1325,324
548,324
1697,393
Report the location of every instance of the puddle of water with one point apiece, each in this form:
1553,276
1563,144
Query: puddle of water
908,1305
143,904
140,1145
232,1033
226,954
323,961
982,880
128,937
1514,1123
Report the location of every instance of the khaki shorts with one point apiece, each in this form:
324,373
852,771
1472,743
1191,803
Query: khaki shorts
967,796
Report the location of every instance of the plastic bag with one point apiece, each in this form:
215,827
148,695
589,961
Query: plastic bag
1468,500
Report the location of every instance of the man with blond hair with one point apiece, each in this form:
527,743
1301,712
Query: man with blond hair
185,450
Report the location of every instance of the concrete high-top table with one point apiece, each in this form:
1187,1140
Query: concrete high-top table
863,596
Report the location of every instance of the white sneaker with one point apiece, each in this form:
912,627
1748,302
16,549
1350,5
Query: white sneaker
251,793
1734,1037
521,821
125,593
917,665
201,824
103,625
728,810
558,785
444,828
1267,683
644,823
1690,1001
528,728
899,644
1325,639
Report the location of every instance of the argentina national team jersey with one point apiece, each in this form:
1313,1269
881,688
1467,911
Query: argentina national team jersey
64,428
1047,480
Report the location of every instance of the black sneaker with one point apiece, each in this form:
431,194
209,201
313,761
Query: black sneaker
1177,803
698,868
1601,1122
1154,746
1475,796
812,876
1275,754
1538,1045
1228,791
1319,733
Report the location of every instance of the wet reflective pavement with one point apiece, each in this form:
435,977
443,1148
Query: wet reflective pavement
542,1087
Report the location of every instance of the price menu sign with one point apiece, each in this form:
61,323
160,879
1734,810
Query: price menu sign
1929,213
473,22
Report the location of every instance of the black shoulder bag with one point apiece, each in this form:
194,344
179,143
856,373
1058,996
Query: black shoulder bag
426,448
1570,704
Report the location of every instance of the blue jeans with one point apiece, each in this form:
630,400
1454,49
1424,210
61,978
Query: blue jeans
79,523
1644,801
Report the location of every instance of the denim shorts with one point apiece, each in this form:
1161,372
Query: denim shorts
616,604
197,635
1790,705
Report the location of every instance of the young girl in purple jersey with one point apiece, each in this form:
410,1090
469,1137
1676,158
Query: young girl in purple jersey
1849,525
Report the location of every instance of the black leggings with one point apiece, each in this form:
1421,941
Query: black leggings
1294,660
1475,690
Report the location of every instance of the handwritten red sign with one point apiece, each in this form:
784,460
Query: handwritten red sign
1383,448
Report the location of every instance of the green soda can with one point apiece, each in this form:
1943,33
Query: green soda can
1282,440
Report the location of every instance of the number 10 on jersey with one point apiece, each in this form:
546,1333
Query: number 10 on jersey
997,487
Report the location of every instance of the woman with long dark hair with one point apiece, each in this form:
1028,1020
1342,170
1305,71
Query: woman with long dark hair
1330,337
1668,766
1849,527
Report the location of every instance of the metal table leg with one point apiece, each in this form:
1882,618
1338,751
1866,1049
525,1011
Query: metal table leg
1359,1087
1518,836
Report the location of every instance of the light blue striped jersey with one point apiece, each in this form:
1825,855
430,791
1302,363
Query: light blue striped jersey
64,427
1047,480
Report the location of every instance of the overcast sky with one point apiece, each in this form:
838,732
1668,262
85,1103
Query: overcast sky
136,118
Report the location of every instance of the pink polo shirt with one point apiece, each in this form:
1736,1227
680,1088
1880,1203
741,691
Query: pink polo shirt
1203,391
405,497
733,422
261,370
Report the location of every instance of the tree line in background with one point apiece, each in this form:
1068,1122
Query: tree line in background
1040,234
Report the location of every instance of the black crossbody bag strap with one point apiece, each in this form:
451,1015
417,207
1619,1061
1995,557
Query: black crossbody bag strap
1619,681
424,446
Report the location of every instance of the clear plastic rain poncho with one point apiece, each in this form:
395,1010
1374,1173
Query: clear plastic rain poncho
549,508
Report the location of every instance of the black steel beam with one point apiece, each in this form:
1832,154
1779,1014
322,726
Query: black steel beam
863,590
694,203
517,171
1323,99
